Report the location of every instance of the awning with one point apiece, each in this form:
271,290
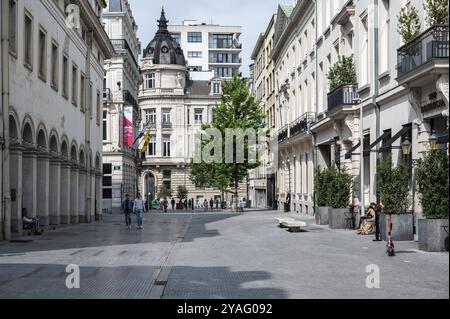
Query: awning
377,141
387,147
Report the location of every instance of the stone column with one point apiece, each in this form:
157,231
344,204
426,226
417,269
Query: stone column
92,192
74,184
55,191
42,183
15,175
65,186
82,196
29,175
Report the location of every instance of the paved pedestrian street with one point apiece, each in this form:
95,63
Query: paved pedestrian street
216,255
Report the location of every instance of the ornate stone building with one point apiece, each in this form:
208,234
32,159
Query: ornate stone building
175,107
52,71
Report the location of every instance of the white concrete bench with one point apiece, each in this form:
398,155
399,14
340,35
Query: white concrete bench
293,225
280,220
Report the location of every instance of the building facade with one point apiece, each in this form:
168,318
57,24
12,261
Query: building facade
121,116
294,61
175,107
52,71
211,50
262,180
401,94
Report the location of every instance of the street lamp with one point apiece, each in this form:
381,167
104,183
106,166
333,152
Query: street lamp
406,147
433,140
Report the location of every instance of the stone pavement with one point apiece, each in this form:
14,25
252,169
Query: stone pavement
216,255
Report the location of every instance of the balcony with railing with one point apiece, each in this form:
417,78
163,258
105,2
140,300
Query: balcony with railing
166,125
302,124
345,95
122,45
423,55
283,134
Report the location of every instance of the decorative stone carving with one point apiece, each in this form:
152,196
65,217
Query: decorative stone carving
442,88
345,128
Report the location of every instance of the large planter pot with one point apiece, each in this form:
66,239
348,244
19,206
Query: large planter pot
322,214
432,234
402,227
336,218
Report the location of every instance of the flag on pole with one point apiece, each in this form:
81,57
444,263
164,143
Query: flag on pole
142,132
145,142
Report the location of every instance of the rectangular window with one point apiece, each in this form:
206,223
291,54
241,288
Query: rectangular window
194,37
166,116
13,26
99,108
83,93
150,81
107,169
28,42
195,68
198,117
107,180
42,71
223,72
65,89
105,125
107,193
364,52
194,54
74,85
221,41
150,116
216,88
90,97
55,66
384,36
166,146
152,146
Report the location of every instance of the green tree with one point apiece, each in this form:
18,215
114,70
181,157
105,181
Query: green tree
182,192
408,24
432,183
394,186
237,110
164,192
342,72
437,12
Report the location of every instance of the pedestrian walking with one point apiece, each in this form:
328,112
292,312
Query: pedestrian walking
127,209
217,204
205,205
211,204
185,204
173,203
165,204
139,209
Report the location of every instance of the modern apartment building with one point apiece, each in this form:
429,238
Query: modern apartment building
52,84
211,50
121,115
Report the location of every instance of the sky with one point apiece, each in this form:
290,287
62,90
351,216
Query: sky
252,15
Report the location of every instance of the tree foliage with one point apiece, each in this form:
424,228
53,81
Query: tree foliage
164,192
437,12
237,110
432,183
182,192
408,24
342,72
394,186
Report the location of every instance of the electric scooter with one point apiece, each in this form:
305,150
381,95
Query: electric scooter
390,244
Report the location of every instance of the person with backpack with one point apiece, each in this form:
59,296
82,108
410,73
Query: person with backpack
127,209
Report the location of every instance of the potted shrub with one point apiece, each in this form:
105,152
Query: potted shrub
341,73
437,16
321,193
409,29
395,197
339,196
432,186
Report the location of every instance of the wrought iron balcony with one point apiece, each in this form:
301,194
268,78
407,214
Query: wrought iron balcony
431,44
122,44
282,134
302,123
129,98
343,95
167,125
